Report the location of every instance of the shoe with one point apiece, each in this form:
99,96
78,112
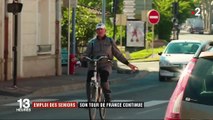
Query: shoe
106,91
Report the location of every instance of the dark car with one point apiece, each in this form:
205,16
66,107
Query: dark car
195,25
196,29
193,95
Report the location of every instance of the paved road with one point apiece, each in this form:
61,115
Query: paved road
186,35
148,89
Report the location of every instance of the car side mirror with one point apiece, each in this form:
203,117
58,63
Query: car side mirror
160,53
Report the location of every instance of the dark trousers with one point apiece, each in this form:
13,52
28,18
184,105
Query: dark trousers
104,75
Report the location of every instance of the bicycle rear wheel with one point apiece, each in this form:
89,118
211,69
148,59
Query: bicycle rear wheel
102,110
93,97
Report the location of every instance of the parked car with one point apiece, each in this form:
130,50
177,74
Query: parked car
194,25
196,29
175,57
193,95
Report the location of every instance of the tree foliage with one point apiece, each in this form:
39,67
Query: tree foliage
87,16
85,25
164,7
97,4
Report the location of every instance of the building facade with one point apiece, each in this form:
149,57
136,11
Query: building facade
38,47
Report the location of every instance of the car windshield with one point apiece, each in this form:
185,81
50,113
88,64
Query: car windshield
182,48
200,85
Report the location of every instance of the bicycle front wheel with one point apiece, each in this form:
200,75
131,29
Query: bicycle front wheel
93,98
102,110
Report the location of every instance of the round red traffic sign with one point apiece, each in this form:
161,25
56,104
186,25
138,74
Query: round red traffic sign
153,16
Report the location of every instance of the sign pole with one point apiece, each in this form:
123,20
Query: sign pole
68,41
115,2
153,37
121,31
103,11
15,8
154,18
73,53
15,50
72,44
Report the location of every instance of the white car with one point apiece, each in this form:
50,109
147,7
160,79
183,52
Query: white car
175,57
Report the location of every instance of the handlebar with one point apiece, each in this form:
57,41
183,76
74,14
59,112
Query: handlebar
96,60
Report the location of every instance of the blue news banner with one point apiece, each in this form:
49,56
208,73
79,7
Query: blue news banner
111,104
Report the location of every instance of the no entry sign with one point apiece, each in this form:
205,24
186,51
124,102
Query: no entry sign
153,17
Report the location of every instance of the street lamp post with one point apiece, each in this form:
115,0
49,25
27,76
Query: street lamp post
15,50
15,8
103,11
68,40
146,23
114,20
71,57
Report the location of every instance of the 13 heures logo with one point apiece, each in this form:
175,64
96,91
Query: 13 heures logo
24,105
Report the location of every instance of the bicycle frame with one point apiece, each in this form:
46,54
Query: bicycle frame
94,80
95,93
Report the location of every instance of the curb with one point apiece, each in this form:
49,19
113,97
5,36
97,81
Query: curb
125,71
55,90
76,86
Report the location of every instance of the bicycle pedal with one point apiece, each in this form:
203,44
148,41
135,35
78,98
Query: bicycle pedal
92,84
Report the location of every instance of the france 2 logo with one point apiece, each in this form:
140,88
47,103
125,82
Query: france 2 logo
197,11
24,105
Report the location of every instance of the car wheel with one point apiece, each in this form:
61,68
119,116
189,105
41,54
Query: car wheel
191,31
161,78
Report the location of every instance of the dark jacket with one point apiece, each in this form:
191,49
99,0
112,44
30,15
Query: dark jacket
105,47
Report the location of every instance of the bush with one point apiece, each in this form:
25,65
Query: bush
164,30
149,39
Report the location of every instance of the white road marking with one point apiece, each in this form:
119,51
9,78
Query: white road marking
84,100
122,100
43,100
151,69
77,100
154,103
145,112
134,89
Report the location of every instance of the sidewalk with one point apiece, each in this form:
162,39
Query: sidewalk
42,86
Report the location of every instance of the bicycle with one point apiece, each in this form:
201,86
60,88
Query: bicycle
95,90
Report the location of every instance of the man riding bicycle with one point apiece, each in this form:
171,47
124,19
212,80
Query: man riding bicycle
103,46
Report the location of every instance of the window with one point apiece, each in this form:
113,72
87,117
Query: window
200,84
182,48
43,29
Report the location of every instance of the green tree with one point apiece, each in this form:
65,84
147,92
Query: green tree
88,15
97,5
85,25
164,28
207,15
